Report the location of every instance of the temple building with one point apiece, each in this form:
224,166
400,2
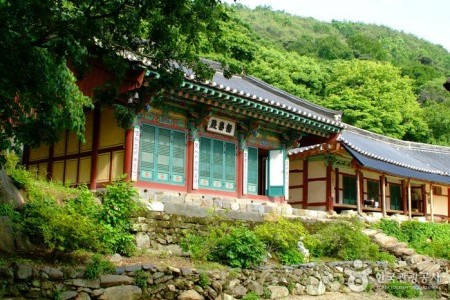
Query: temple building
367,172
224,137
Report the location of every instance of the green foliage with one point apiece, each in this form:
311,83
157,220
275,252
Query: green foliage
280,235
344,241
58,228
251,296
367,93
204,280
427,238
353,67
291,257
67,219
437,116
141,279
402,289
98,266
239,247
198,246
45,101
235,246
8,211
117,207
267,294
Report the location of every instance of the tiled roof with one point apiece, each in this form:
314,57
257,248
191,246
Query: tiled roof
405,159
258,91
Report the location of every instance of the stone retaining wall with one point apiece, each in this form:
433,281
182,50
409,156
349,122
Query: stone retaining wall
162,231
22,280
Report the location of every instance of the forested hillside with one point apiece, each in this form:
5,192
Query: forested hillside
383,80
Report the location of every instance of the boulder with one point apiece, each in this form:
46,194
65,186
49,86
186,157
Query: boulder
142,240
114,280
6,235
256,288
190,295
238,291
9,192
278,292
83,296
315,290
123,292
88,283
53,273
68,295
24,272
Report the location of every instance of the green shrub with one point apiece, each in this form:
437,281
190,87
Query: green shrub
343,240
195,246
280,235
267,294
7,210
66,219
204,280
54,226
240,247
251,296
427,238
98,266
291,257
141,279
226,244
402,289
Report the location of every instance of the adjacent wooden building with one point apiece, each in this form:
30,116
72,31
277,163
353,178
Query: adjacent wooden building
368,172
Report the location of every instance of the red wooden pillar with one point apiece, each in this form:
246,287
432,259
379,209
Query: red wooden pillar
383,194
26,156
240,173
50,163
404,198
448,202
336,186
128,153
95,145
424,199
359,190
305,184
190,165
329,187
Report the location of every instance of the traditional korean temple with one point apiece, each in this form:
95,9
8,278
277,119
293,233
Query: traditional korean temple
367,172
225,137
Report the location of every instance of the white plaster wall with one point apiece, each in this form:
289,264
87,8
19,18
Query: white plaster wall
316,191
316,169
296,164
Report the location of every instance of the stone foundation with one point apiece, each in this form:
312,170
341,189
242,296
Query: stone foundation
147,281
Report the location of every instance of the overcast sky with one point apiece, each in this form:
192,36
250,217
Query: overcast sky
428,19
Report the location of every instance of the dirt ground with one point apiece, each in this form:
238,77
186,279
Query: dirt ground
357,296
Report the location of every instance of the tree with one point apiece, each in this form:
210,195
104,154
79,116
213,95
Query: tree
39,97
438,120
374,96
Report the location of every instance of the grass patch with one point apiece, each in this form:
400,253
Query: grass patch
426,238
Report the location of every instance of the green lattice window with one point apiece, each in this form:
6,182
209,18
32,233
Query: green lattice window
395,196
217,167
373,190
163,155
349,185
252,172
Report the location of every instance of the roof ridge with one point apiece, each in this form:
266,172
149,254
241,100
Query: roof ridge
297,100
397,142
